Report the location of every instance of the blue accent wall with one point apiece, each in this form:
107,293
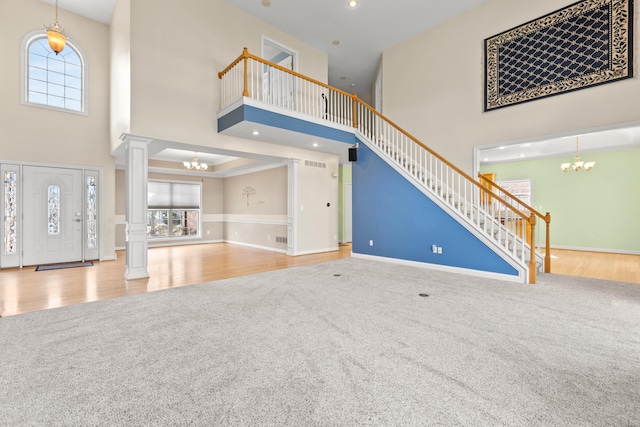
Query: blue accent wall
403,222
269,118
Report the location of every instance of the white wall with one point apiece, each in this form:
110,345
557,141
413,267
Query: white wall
176,52
433,87
30,134
259,218
120,107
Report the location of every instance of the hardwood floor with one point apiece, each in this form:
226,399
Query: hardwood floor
596,265
25,290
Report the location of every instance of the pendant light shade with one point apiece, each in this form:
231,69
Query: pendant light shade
55,35
195,164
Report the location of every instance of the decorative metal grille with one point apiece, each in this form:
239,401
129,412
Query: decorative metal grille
92,212
10,213
53,208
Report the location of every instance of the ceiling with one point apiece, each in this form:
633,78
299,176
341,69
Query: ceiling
98,10
363,33
601,140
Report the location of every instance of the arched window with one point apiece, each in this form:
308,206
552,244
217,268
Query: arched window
52,80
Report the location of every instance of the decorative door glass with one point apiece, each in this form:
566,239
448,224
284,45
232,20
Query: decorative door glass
92,212
53,207
10,213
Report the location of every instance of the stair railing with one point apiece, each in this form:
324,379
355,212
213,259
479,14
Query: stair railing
505,223
256,78
523,206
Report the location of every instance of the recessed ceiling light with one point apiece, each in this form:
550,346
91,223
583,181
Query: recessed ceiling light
486,159
502,148
526,145
353,3
266,3
523,155
315,144
335,42
353,85
255,132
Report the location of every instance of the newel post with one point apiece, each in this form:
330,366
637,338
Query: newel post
245,57
547,252
532,251
355,111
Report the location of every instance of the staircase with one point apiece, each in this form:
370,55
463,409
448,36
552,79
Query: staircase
495,214
499,219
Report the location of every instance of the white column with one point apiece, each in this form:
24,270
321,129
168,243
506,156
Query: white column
292,206
136,211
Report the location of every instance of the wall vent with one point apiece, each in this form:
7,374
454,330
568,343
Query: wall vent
312,164
280,239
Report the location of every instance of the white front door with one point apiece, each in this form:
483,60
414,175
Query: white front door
53,220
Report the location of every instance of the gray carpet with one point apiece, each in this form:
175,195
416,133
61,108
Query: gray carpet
304,347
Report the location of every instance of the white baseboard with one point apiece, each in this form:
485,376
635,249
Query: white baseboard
316,251
266,248
181,243
446,268
233,242
176,243
609,251
111,257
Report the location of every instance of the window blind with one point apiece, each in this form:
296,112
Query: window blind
173,195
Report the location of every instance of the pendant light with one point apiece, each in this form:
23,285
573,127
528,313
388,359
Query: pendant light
195,164
578,164
55,35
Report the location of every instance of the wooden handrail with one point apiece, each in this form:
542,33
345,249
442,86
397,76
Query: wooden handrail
448,163
530,219
233,64
286,70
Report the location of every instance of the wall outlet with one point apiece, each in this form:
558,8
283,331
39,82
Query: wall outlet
370,242
439,250
434,249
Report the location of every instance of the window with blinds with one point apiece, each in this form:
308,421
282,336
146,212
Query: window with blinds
173,209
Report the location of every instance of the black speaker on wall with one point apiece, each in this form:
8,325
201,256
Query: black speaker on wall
353,154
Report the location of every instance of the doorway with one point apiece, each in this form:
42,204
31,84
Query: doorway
60,215
279,87
53,219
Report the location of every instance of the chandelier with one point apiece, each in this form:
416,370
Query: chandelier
55,35
195,165
578,164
